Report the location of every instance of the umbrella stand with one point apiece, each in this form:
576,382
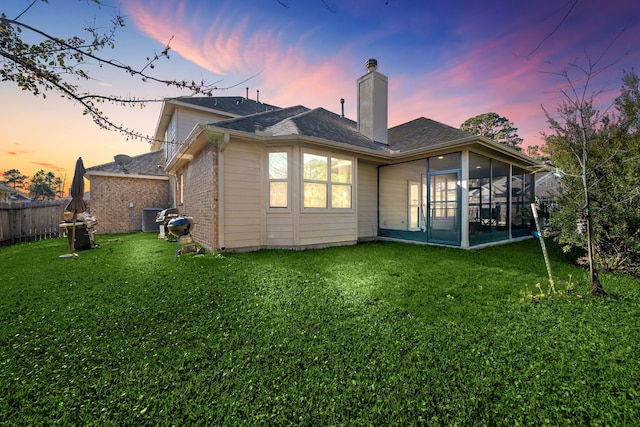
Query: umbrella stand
76,204
72,242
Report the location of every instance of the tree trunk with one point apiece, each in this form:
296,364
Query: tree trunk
596,286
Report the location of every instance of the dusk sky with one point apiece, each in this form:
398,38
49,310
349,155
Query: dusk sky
447,61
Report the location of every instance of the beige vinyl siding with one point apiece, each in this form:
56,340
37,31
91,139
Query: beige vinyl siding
249,223
280,230
171,137
243,196
187,119
394,191
367,200
327,228
182,123
282,223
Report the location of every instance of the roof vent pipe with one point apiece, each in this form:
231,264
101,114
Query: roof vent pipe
258,96
247,93
342,104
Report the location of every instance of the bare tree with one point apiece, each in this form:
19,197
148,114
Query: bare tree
571,143
55,64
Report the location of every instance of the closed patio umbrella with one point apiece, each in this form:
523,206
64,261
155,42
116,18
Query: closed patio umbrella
76,205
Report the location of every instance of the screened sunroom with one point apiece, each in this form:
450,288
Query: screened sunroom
464,198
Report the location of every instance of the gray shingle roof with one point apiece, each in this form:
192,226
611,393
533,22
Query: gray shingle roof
235,105
422,132
300,120
320,123
261,121
143,164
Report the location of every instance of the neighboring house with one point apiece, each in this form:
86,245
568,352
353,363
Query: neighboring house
127,193
6,192
11,195
298,177
18,198
548,186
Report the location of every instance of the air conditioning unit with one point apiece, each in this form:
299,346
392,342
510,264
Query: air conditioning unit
149,224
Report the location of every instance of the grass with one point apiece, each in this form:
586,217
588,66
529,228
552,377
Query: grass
374,334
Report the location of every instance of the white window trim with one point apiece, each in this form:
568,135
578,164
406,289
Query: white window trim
329,156
289,181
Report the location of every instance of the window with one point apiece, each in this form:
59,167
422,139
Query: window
414,206
180,184
327,182
278,180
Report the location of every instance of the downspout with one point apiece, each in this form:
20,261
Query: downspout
378,201
173,185
220,204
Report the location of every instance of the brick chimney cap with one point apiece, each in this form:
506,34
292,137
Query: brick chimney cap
371,64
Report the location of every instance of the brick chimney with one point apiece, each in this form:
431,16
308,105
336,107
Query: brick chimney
372,103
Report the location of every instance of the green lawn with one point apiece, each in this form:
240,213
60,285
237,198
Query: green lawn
374,334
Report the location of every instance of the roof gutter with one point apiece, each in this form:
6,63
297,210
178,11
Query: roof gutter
199,136
186,149
390,156
89,174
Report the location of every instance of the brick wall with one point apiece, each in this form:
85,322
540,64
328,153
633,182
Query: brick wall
200,196
111,196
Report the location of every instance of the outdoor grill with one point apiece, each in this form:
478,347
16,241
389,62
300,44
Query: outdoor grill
181,226
85,231
163,217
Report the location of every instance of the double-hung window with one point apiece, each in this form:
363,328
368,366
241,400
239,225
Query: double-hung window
180,185
328,182
278,180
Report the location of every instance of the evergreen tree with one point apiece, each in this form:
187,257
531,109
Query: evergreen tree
43,185
495,127
13,178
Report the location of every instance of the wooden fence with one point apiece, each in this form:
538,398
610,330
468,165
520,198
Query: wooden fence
34,220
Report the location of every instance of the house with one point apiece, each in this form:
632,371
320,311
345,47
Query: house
6,193
298,178
548,187
127,193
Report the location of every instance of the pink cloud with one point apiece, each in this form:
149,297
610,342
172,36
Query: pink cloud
225,49
242,49
16,152
224,45
49,166
492,74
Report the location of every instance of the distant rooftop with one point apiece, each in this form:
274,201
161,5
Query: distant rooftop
143,164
